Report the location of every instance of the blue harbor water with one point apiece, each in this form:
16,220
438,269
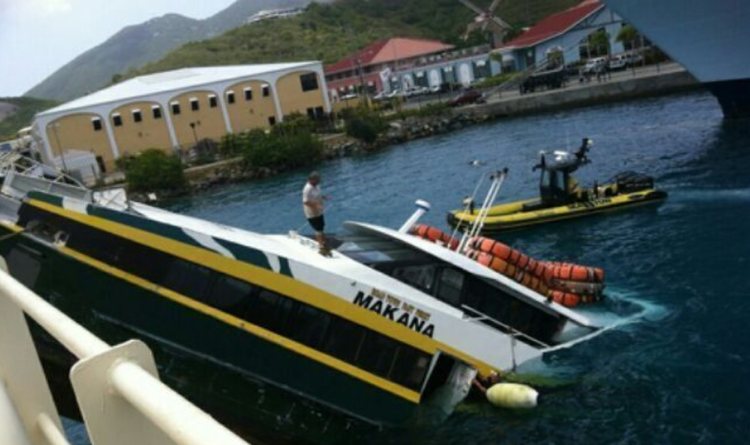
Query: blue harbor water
675,375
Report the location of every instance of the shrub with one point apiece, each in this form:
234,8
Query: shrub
152,170
363,124
289,144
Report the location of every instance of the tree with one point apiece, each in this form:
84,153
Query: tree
153,170
628,36
599,42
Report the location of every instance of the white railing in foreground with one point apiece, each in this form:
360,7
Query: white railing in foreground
122,400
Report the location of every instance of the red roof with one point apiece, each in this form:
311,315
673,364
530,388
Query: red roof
555,24
389,50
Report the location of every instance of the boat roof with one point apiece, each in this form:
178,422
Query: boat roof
469,265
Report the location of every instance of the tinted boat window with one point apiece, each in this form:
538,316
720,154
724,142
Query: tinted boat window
187,278
410,367
343,339
377,353
23,264
421,276
227,293
308,325
450,285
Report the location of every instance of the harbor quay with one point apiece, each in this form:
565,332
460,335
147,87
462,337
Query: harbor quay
652,80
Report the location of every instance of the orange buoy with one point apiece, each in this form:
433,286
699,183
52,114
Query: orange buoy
567,299
435,235
568,284
494,263
578,287
574,272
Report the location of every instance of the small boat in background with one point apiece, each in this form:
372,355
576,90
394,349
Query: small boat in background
560,196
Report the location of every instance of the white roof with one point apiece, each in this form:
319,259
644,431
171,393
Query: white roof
185,78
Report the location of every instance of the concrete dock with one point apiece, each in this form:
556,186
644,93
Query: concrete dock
646,81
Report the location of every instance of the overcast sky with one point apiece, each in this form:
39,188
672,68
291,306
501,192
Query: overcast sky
39,36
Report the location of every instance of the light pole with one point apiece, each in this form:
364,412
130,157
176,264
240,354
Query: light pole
59,146
195,134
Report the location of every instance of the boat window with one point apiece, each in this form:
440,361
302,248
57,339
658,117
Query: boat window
42,229
410,367
264,310
377,353
228,292
343,339
308,325
23,263
450,286
503,307
420,276
187,278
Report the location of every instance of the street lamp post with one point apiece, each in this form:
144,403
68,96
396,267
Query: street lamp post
195,134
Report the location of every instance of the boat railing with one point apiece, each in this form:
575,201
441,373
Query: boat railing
119,394
475,228
514,333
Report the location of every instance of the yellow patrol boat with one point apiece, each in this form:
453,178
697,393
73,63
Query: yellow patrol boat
561,197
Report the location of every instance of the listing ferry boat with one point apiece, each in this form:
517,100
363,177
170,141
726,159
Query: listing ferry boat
261,328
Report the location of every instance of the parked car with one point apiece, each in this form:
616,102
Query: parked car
594,65
618,62
466,97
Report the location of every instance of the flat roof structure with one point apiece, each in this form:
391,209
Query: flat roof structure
176,80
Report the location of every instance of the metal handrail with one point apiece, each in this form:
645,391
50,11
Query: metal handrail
513,332
177,421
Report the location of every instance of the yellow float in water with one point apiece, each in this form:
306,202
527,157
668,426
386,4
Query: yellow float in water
512,395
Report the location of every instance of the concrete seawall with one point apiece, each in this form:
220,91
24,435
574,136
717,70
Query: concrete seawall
593,93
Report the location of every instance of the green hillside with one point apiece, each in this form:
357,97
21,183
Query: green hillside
22,117
329,32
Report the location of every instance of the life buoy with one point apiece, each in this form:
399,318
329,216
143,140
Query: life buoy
532,282
435,235
578,287
573,272
567,299
568,284
493,262
506,253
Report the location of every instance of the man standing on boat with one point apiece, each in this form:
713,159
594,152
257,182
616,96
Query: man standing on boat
312,203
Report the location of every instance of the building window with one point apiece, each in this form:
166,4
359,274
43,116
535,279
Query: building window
212,102
272,121
175,108
230,97
97,124
266,90
248,94
194,104
156,111
117,120
309,81
137,116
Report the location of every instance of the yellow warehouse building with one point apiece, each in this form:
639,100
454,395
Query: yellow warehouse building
175,109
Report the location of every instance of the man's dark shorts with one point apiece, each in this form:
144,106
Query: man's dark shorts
317,223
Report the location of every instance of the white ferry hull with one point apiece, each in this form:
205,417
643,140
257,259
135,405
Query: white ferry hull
709,38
